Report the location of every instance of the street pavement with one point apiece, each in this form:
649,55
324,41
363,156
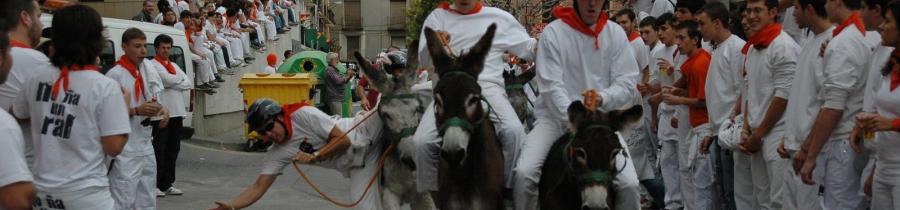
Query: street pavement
207,175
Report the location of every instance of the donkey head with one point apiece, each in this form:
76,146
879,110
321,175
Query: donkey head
400,108
457,95
592,150
515,89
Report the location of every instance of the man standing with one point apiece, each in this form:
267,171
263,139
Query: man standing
770,65
580,41
840,93
133,173
334,84
167,139
146,13
722,91
800,113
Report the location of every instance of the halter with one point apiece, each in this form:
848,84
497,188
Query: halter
595,176
405,132
460,122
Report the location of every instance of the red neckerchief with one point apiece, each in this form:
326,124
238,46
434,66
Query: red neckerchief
634,35
763,37
188,33
63,79
569,16
477,8
853,19
166,63
894,64
289,109
138,79
14,43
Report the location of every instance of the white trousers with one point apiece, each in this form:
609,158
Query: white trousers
838,168
360,161
697,173
510,133
94,198
671,174
885,194
236,49
743,182
798,195
271,31
132,182
219,56
204,70
768,173
245,40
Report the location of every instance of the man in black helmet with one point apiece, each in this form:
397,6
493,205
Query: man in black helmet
304,134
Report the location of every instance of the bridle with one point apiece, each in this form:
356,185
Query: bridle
601,176
464,124
404,132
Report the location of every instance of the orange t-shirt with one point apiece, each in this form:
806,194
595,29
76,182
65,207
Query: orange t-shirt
694,70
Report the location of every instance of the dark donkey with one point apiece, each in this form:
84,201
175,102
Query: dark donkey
400,109
581,166
471,168
515,89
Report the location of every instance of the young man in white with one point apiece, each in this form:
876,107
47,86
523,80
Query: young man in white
78,116
166,139
872,18
24,24
303,134
205,73
133,173
458,21
839,89
661,74
233,37
16,188
722,91
580,40
770,66
800,112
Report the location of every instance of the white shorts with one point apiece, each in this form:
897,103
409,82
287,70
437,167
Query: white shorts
93,198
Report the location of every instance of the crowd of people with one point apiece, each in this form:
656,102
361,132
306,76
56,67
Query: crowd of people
765,104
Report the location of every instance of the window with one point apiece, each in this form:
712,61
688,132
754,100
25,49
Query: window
108,57
176,55
352,44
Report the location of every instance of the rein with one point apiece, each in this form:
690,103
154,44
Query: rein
598,176
460,122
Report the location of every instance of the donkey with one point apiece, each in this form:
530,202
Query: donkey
401,109
581,166
471,168
515,89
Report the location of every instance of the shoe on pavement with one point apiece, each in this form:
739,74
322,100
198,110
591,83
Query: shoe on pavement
212,85
160,193
174,191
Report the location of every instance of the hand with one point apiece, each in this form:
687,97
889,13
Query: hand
643,88
704,145
783,152
872,122
350,73
807,170
305,158
856,138
674,122
751,143
664,66
365,104
222,206
672,99
148,109
165,118
799,160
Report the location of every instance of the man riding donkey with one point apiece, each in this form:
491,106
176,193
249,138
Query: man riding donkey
581,50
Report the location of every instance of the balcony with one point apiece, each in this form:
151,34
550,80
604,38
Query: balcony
352,16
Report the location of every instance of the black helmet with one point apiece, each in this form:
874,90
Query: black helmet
261,113
398,60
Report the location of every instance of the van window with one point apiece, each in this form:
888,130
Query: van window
108,57
176,55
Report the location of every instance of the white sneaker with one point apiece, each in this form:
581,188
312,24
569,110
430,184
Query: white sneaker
173,191
160,193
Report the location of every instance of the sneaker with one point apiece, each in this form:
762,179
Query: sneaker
202,87
173,191
219,79
212,85
210,92
160,193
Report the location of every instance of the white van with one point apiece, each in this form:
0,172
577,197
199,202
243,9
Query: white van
180,53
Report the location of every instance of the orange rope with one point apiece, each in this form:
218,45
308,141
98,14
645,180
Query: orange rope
371,180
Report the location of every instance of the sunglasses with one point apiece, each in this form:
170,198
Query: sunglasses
266,129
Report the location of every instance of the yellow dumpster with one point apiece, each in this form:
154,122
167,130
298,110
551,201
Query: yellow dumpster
283,88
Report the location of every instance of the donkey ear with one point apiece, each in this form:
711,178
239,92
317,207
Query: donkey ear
474,60
439,57
626,118
578,114
376,76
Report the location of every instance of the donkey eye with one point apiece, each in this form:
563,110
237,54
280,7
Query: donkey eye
473,100
580,153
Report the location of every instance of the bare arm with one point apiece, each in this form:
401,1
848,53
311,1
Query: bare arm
824,125
113,145
17,196
773,115
337,144
250,195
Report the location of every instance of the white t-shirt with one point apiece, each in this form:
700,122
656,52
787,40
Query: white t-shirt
139,141
641,53
769,75
175,87
269,70
466,30
568,63
879,58
887,158
179,25
12,151
803,107
843,81
68,155
723,80
24,59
